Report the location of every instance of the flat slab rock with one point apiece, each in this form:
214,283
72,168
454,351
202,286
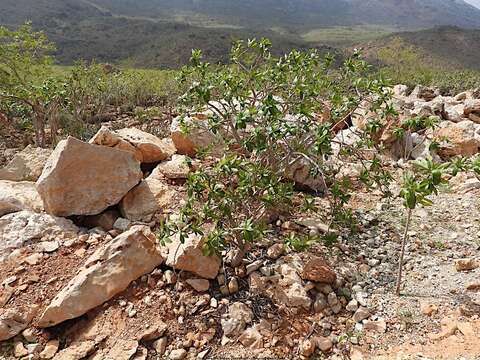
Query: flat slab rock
86,179
106,273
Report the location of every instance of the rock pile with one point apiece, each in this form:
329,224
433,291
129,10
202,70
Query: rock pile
77,248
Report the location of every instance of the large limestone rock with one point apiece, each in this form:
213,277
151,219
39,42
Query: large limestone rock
152,148
189,257
27,165
85,179
26,227
107,137
106,273
458,139
17,196
151,196
146,147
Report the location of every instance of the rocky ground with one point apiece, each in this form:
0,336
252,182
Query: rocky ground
82,275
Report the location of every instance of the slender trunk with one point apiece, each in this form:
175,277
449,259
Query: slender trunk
402,254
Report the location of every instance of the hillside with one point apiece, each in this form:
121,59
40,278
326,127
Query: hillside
161,33
151,44
444,45
306,13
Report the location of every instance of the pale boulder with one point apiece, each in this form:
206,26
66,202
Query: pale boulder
26,227
12,322
151,196
175,169
189,257
107,137
106,273
457,139
27,165
198,136
151,147
147,148
76,351
86,179
17,196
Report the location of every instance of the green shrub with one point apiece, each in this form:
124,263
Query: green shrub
268,111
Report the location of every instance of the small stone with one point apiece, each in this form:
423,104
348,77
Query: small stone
361,314
320,303
200,285
316,269
466,264
31,348
324,343
253,266
364,268
308,348
10,280
48,246
29,335
213,303
352,306
50,349
170,277
428,309
202,354
221,279
379,326
233,285
122,224
33,259
160,346
473,286
19,350
275,251
153,332
178,354
332,299
142,354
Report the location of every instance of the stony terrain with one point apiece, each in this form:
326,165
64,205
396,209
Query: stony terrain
83,277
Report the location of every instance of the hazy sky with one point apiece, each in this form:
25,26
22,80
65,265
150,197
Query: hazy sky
474,2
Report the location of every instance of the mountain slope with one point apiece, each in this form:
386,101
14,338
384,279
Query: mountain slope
256,13
161,33
306,13
453,46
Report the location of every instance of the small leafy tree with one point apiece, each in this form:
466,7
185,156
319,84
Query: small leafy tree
24,64
275,114
417,187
